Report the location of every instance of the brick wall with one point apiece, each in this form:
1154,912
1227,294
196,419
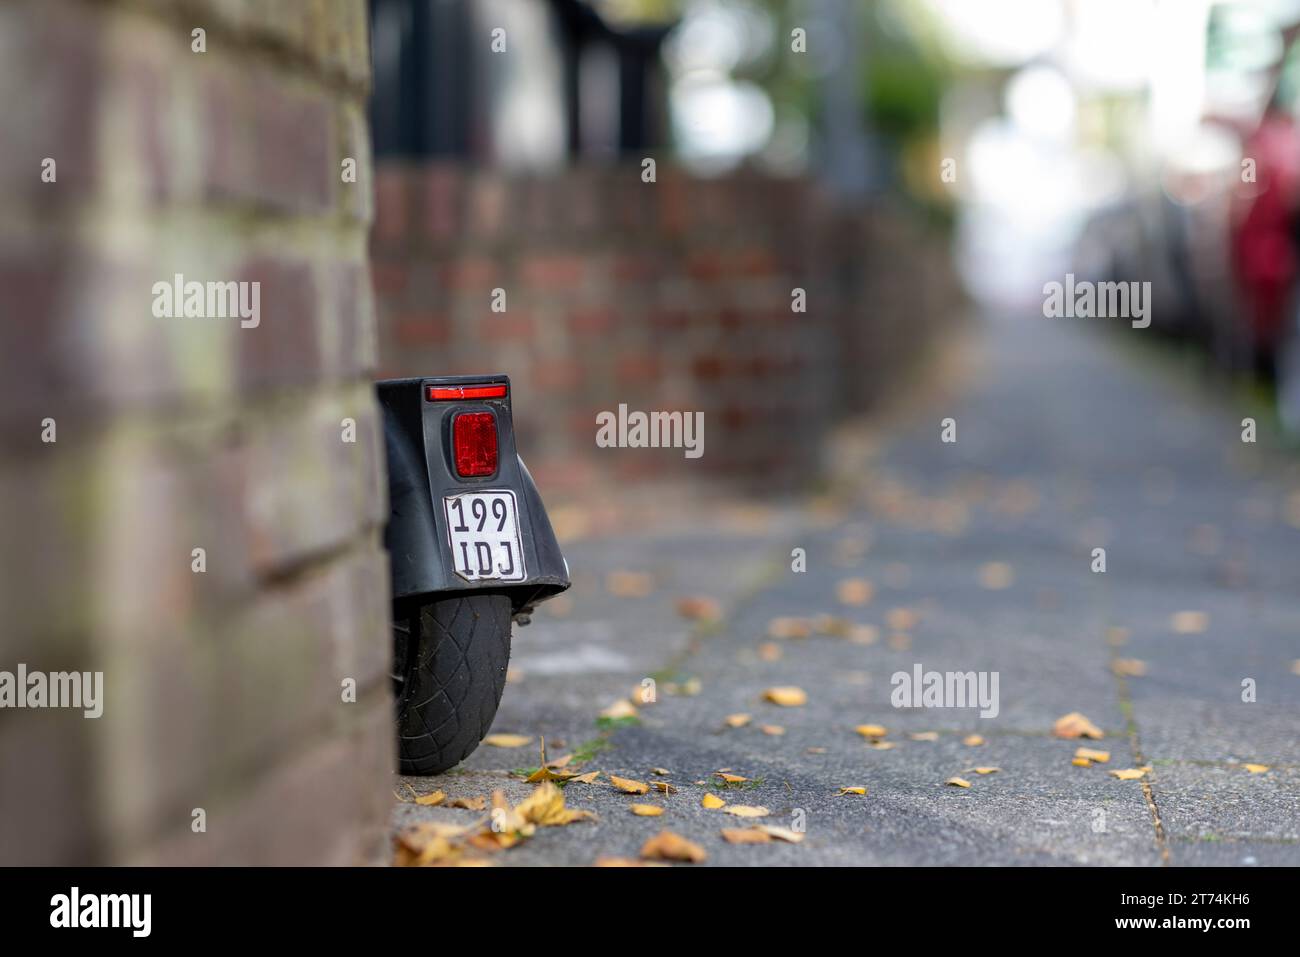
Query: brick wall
669,295
223,689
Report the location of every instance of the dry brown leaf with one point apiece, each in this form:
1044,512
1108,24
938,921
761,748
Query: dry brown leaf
1189,622
1129,774
872,730
469,804
667,846
626,584
545,808
786,696
432,799
1075,725
958,782
901,619
507,740
660,771
628,786
773,730
646,810
770,651
746,810
780,833
1092,754
745,835
832,625
622,708
544,773
854,790
1295,667
730,778
863,634
854,591
587,778
663,786
1256,768
972,740
699,608
712,802
1128,667
737,720
787,627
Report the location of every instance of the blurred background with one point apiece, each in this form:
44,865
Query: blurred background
836,187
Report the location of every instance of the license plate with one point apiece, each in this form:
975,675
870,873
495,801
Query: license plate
483,531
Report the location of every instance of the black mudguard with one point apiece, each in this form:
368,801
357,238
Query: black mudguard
417,434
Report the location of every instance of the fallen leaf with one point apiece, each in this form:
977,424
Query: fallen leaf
958,782
1116,636
628,786
1189,622
1128,667
925,736
737,720
646,810
972,740
986,770
780,833
746,810
1081,762
1075,725
629,584
1092,754
786,696
544,773
623,862
880,745
663,786
508,740
545,808
469,804
814,750
587,778
832,625
731,778
660,771
1295,667
774,730
699,608
433,799
854,591
901,619
514,676
900,641
996,576
787,627
1256,768
872,730
712,802
770,651
1129,774
853,790
667,846
745,835
863,634
622,708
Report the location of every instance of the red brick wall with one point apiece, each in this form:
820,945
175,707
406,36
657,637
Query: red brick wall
667,295
223,689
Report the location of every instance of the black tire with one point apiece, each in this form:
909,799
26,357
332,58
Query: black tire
449,669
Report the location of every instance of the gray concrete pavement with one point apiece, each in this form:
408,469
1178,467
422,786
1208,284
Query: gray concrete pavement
1067,439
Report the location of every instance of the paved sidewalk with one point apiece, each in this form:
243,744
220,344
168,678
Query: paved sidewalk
1066,440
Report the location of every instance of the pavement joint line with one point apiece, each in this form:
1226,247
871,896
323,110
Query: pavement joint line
1148,794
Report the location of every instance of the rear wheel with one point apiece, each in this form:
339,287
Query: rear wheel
449,669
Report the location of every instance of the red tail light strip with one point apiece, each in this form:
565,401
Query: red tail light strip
441,393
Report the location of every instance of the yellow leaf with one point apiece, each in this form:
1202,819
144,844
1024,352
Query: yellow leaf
958,782
736,720
770,651
508,740
663,786
996,576
622,708
863,634
901,619
432,800
780,833
1129,774
854,591
587,778
832,625
545,808
646,810
699,608
786,627
745,810
774,730
1075,725
1189,622
986,770
925,736
745,835
853,790
1128,667
731,778
881,745
972,740
1092,754
786,697
624,862
1256,768
872,730
1081,762
628,786
712,802
667,846
544,773
469,804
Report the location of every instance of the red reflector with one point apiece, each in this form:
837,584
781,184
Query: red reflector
474,437
495,390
